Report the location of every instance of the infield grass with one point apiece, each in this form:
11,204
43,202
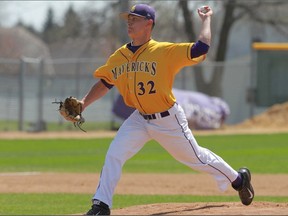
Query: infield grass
261,153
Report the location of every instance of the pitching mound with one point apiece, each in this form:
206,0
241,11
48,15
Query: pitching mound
222,208
274,117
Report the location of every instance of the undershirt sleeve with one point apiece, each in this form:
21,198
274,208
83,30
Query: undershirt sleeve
199,48
109,86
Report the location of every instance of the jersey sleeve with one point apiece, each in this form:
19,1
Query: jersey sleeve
179,55
104,72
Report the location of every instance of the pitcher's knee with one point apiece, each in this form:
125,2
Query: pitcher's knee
114,159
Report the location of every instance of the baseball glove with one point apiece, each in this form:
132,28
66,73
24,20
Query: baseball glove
71,110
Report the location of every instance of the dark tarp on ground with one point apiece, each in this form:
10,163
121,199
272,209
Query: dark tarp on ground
202,111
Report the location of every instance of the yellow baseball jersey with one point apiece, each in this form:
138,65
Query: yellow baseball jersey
145,78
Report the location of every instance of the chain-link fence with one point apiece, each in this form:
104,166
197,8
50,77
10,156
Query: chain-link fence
29,86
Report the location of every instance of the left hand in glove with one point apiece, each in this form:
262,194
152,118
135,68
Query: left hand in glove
71,110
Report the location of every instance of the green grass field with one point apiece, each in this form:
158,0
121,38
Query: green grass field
55,126
261,153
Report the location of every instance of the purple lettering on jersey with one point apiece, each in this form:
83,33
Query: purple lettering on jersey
153,71
136,67
141,68
147,66
133,67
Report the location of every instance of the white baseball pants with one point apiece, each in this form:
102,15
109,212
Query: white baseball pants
173,134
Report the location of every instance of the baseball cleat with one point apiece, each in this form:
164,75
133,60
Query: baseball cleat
98,208
246,191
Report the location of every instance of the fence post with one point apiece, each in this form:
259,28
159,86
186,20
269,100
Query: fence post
77,80
21,94
40,125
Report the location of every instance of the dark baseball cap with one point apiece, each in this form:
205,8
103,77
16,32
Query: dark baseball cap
141,10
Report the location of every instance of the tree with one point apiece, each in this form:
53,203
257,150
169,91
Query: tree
30,28
72,24
50,31
234,10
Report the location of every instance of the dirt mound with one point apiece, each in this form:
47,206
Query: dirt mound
219,208
274,117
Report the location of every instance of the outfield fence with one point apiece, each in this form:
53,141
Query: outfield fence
28,87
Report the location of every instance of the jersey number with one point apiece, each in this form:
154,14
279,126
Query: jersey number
150,86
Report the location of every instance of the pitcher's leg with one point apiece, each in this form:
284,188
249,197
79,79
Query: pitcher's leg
175,136
130,138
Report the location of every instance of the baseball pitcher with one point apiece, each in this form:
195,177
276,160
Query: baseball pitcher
143,71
